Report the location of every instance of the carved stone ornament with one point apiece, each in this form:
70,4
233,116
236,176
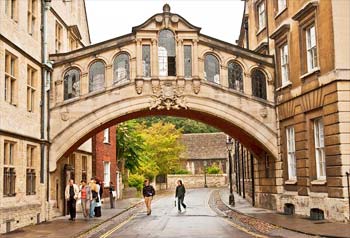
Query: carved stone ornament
168,97
139,85
64,115
263,112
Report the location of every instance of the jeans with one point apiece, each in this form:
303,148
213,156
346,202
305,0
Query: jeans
92,208
180,201
85,207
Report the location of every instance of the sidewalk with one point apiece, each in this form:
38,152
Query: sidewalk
62,227
295,223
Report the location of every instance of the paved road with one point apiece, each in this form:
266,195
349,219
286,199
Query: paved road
198,221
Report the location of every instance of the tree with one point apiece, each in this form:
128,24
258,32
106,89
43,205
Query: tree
162,146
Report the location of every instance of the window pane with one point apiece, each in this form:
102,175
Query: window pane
97,76
71,84
235,76
259,84
166,53
188,60
146,61
121,68
211,69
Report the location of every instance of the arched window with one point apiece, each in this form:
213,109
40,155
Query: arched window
212,69
121,68
166,53
96,76
71,84
259,84
235,76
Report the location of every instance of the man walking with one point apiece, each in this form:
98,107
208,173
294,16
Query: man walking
148,193
180,195
71,194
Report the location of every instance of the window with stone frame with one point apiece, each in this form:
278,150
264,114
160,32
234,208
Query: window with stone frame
284,64
106,173
96,76
30,172
261,15
58,37
31,16
166,53
106,138
212,69
281,5
71,84
291,160
146,61
311,48
31,88
71,160
9,179
84,167
11,70
235,76
121,68
11,9
188,61
319,149
258,84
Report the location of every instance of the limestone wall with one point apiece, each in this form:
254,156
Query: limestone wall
197,181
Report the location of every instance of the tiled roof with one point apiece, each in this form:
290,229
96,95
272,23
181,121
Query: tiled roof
204,146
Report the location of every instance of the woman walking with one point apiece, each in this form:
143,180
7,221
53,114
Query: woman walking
180,195
86,198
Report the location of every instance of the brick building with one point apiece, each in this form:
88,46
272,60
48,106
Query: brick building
104,158
310,41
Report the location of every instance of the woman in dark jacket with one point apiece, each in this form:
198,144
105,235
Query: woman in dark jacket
180,195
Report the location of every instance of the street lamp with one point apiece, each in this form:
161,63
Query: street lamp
229,145
205,173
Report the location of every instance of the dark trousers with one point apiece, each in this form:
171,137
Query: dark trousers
72,208
111,200
180,201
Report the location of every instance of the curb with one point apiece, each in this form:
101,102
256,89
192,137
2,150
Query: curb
287,228
104,221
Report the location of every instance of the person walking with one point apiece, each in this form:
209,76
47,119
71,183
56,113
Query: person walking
148,193
94,197
86,198
111,194
98,205
180,195
71,194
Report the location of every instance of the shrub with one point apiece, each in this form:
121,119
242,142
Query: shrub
214,169
136,180
182,171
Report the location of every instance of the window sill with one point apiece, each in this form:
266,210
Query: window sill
106,142
319,182
290,182
260,30
313,71
279,13
285,85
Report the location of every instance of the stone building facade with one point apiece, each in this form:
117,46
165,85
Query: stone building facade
310,42
204,149
25,72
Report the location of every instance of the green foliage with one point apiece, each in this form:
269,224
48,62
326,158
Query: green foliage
148,168
182,171
136,180
186,125
214,169
129,145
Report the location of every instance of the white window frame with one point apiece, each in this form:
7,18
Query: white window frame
261,15
311,48
319,149
281,5
291,159
106,136
284,64
106,173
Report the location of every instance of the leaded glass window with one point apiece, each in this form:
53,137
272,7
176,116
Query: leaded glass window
259,84
121,68
71,84
212,69
146,60
166,53
188,61
96,76
235,76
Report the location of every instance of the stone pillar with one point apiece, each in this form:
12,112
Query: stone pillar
180,59
109,75
154,59
247,84
59,91
84,82
195,58
139,58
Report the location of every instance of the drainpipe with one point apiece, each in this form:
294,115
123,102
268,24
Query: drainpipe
267,28
246,32
243,171
239,170
253,182
347,177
